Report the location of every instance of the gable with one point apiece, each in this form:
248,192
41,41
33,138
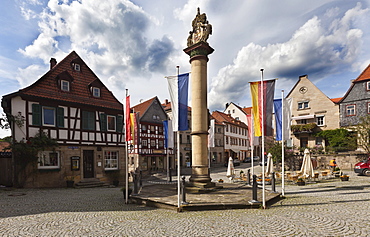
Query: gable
48,86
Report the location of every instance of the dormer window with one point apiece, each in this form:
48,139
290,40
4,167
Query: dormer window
64,85
77,67
96,91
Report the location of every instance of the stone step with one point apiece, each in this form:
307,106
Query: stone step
91,183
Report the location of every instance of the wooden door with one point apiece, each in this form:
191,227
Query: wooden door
88,163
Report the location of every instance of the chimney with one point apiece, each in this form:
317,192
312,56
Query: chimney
227,105
53,62
166,101
303,76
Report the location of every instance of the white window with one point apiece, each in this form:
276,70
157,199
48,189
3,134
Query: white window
144,143
368,108
48,117
303,105
320,120
77,67
351,110
64,85
111,122
48,160
368,85
96,92
111,160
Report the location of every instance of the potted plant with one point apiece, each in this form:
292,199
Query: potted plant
70,181
337,172
220,180
123,190
344,177
301,182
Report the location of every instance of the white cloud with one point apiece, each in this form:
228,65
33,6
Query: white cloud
316,48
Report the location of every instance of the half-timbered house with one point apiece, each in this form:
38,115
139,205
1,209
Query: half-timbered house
71,104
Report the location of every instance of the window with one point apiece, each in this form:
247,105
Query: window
77,67
144,143
302,121
111,123
96,91
48,116
350,110
152,143
64,85
318,141
48,160
368,85
160,144
111,160
303,105
88,120
368,107
143,127
320,120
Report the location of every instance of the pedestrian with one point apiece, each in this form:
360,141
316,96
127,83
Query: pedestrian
333,164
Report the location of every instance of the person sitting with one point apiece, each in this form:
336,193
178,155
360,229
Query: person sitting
333,164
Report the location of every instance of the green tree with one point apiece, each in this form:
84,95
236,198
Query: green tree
339,139
26,155
363,131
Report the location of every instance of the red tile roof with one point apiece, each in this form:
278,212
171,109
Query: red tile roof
226,118
142,107
47,87
167,106
248,110
365,75
4,145
336,100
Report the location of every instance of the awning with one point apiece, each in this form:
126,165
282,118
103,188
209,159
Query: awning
235,150
310,116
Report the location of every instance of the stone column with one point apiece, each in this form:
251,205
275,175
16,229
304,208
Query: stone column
199,113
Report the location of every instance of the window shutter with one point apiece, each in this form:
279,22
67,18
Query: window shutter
60,117
85,120
36,114
103,122
119,123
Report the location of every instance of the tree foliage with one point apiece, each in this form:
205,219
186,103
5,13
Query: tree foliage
363,131
339,139
26,155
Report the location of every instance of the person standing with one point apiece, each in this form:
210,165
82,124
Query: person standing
333,164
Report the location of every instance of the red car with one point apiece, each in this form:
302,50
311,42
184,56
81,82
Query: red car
363,168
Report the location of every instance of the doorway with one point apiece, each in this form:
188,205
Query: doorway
88,163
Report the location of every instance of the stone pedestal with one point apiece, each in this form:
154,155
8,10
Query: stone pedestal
199,115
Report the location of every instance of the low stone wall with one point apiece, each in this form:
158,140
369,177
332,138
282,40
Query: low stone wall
345,161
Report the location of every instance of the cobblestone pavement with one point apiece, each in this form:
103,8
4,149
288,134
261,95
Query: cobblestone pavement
327,208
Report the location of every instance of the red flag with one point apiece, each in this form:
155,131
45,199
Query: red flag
128,120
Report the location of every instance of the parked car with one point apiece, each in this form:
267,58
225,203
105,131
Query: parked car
247,160
363,168
236,162
256,158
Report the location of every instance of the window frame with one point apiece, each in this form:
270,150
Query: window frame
108,154
45,167
368,85
303,103
43,115
94,90
111,123
354,110
63,83
322,118
77,67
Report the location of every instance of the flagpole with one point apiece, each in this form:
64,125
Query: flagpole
263,142
282,146
126,160
178,159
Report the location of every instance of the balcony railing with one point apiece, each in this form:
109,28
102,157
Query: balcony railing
303,128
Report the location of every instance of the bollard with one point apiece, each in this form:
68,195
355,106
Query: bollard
273,187
170,175
141,178
135,183
183,190
254,200
249,177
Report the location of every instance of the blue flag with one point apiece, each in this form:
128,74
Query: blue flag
178,88
278,118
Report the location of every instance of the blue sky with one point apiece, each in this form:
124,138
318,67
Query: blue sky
135,44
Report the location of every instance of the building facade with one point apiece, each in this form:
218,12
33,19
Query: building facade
70,104
312,111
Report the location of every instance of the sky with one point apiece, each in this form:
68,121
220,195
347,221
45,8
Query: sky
135,44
